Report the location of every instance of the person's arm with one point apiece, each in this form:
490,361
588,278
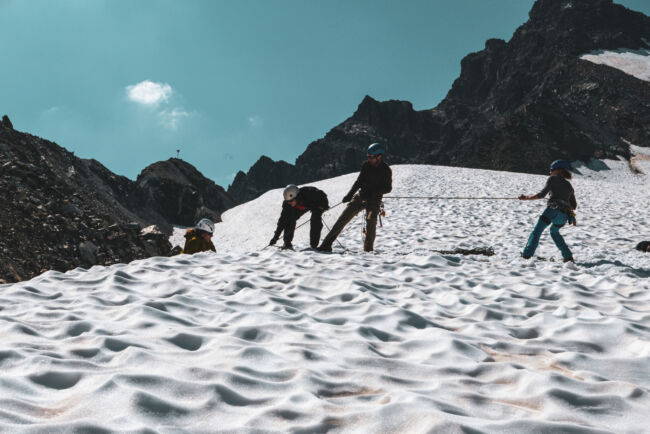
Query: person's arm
539,195
324,203
573,202
191,246
355,187
529,197
388,181
284,215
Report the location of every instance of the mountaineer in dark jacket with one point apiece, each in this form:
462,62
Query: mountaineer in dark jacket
559,210
199,238
374,180
297,201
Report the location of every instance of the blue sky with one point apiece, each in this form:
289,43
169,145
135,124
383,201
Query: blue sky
130,82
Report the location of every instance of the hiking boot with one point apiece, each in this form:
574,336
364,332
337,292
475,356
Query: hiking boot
324,248
569,259
525,257
287,246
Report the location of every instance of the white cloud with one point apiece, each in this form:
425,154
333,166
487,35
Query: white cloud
160,99
172,118
149,93
255,121
52,110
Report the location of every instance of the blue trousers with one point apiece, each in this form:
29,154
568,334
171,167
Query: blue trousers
556,219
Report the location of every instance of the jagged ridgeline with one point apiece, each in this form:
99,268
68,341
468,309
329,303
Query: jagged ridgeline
516,106
60,212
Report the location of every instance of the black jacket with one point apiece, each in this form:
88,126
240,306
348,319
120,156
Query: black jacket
373,181
307,199
562,195
312,198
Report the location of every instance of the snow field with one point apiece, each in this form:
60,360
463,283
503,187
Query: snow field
255,339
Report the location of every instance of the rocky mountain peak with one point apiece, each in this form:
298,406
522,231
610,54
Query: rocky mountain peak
60,212
6,123
516,105
174,169
372,111
264,172
585,25
179,193
545,12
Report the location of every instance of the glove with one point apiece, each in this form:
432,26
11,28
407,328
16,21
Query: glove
273,241
572,219
347,197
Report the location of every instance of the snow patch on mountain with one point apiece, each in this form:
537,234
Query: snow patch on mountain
632,62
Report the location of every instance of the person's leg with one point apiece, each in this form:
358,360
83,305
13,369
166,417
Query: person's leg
348,213
533,239
315,227
371,225
557,223
290,228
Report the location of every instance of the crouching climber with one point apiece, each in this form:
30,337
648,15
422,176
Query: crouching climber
199,238
297,201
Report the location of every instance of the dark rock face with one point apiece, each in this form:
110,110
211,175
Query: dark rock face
263,173
6,123
60,212
178,193
516,105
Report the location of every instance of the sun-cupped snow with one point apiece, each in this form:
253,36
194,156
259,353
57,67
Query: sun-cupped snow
404,339
632,62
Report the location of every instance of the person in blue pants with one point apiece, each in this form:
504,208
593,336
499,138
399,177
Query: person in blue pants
558,212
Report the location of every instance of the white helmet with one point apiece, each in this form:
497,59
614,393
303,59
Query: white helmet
205,225
290,192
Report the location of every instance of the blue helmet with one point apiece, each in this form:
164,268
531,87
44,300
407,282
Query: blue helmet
375,149
560,164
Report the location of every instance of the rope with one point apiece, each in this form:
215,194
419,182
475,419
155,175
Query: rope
342,246
308,220
449,198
